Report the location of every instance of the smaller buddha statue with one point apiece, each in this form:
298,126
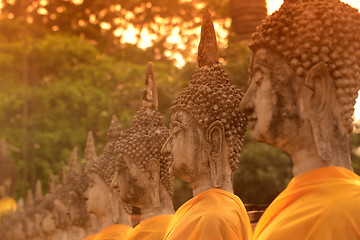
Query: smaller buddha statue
48,222
142,176
101,199
207,132
77,185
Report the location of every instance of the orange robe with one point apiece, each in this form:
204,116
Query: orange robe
151,229
211,215
112,232
7,205
320,204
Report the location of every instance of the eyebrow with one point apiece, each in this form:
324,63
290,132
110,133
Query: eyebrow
264,61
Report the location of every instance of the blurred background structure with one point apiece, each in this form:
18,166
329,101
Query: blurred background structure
68,65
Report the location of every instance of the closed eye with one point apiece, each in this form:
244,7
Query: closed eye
258,75
176,128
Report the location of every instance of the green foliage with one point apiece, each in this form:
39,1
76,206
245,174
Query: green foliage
236,63
73,88
182,193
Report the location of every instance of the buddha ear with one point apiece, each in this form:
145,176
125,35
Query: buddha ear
153,167
215,135
316,94
317,90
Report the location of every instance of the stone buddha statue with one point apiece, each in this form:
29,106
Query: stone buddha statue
77,185
101,199
61,212
48,224
207,131
142,175
304,79
29,226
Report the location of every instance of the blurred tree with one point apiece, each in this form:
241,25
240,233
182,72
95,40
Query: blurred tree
73,89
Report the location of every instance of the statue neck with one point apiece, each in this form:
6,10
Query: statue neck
204,182
106,220
308,158
166,206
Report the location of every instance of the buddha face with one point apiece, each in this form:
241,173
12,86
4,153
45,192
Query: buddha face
48,223
38,219
98,196
188,146
271,100
29,227
18,231
131,182
61,214
77,209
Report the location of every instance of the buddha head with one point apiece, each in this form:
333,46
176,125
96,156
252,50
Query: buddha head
48,223
304,78
77,183
101,199
142,174
61,209
207,128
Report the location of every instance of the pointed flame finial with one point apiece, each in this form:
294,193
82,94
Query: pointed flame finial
207,51
114,129
29,198
62,174
20,205
150,96
51,183
38,191
73,165
90,153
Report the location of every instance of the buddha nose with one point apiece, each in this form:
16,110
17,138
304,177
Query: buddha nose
247,105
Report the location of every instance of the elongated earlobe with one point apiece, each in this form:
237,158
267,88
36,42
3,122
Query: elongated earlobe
215,135
316,95
153,167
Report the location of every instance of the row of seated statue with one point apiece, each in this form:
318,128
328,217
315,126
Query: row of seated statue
304,79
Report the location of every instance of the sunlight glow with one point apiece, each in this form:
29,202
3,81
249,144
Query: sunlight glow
146,39
129,35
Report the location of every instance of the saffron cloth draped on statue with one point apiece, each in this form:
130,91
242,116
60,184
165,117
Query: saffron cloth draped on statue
153,228
7,205
320,204
113,232
213,214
